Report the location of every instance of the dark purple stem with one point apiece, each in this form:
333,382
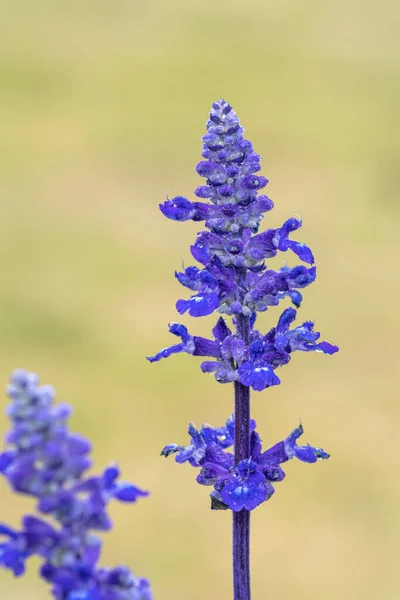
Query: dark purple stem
241,520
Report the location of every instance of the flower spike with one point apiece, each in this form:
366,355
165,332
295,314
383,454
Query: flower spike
234,279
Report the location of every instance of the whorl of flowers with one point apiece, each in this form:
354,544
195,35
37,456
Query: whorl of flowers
248,483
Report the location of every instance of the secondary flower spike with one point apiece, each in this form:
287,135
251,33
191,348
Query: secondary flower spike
234,278
45,460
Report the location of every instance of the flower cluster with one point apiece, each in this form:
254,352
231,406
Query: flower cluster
251,364
233,218
234,279
45,460
248,483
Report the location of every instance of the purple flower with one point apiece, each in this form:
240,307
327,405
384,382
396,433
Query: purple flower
253,364
195,345
45,460
232,216
249,483
194,453
233,278
246,488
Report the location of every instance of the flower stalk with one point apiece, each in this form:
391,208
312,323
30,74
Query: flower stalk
241,519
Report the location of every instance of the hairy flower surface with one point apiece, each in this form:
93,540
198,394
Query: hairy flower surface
45,460
234,278
248,483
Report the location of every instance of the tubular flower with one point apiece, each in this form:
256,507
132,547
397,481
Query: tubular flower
233,278
248,483
45,460
251,364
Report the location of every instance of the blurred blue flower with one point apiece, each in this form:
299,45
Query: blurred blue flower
45,460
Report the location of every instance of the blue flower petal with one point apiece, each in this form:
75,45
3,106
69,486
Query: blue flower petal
170,449
327,348
187,344
110,476
255,445
6,458
210,473
295,297
221,330
304,453
285,320
201,254
126,492
309,454
165,353
178,209
302,251
248,493
203,191
210,366
12,559
199,305
257,377
273,456
8,531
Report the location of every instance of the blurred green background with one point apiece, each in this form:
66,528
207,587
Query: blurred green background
102,107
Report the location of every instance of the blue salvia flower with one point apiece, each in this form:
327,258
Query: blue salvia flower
248,483
45,460
234,280
252,364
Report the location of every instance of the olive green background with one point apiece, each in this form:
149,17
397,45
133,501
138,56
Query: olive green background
102,107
